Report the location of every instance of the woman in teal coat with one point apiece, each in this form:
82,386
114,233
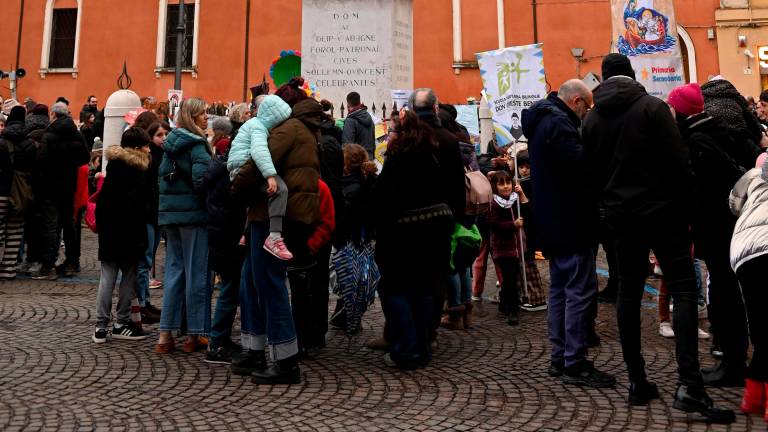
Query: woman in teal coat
183,216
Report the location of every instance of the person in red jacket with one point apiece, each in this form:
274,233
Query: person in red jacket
309,299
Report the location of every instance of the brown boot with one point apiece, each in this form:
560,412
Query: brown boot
378,344
468,306
453,321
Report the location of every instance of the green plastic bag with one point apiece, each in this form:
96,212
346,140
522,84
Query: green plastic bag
467,240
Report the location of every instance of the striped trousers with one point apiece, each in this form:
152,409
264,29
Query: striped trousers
11,233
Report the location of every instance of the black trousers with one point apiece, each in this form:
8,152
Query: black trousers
509,298
752,278
670,241
57,216
726,307
309,300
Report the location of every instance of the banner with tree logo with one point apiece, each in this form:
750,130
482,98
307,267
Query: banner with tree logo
646,32
513,79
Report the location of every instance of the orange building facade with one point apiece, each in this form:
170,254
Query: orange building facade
110,32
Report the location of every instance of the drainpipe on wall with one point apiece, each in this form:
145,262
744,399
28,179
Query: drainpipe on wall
500,22
247,44
456,34
535,23
18,41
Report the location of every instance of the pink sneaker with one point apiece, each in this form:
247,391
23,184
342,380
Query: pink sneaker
155,284
277,248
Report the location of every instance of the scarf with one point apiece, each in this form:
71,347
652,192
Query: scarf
504,202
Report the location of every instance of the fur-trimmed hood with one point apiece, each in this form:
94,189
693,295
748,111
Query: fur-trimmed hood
133,157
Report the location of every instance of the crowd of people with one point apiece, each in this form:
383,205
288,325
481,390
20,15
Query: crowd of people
261,201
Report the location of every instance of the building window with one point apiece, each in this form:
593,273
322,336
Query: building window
171,21
61,38
63,33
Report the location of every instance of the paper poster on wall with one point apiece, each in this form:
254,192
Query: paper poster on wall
646,32
513,79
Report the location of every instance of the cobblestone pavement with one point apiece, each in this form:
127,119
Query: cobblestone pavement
492,377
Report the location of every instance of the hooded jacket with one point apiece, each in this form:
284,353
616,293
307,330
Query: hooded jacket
639,164
121,208
723,101
566,212
293,146
182,190
749,201
24,149
36,122
359,129
62,153
252,138
715,173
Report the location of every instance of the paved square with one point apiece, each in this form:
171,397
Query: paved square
493,377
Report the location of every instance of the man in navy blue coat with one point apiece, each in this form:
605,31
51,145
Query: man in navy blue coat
567,222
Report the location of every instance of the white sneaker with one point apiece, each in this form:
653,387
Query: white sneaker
665,329
477,298
703,334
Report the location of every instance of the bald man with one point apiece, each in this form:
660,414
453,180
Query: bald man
566,222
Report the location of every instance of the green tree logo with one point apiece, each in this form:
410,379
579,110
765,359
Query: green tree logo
505,72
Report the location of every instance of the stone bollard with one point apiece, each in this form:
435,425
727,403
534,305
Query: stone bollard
118,105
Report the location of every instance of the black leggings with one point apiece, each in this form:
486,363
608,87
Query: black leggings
753,287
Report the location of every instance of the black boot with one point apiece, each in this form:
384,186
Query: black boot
249,362
282,372
696,400
592,339
513,317
723,374
642,392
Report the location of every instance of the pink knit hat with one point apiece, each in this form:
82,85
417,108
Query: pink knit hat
687,99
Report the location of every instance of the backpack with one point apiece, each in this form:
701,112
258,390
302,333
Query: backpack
21,195
479,193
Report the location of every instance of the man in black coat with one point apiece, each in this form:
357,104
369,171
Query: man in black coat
566,227
62,152
358,126
640,169
713,155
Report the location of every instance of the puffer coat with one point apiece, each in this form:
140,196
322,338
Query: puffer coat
749,201
251,140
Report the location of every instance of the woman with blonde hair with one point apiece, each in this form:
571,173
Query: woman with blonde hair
183,215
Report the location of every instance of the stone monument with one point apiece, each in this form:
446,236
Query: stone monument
358,45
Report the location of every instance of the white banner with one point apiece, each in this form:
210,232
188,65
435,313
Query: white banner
513,79
646,32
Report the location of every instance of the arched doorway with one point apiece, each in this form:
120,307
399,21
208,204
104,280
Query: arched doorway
688,53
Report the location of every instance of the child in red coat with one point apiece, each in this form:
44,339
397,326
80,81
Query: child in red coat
506,226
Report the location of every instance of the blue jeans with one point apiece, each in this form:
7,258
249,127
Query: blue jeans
701,299
226,309
408,327
265,311
459,287
187,280
573,287
145,264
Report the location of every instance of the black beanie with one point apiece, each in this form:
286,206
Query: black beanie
617,64
17,114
